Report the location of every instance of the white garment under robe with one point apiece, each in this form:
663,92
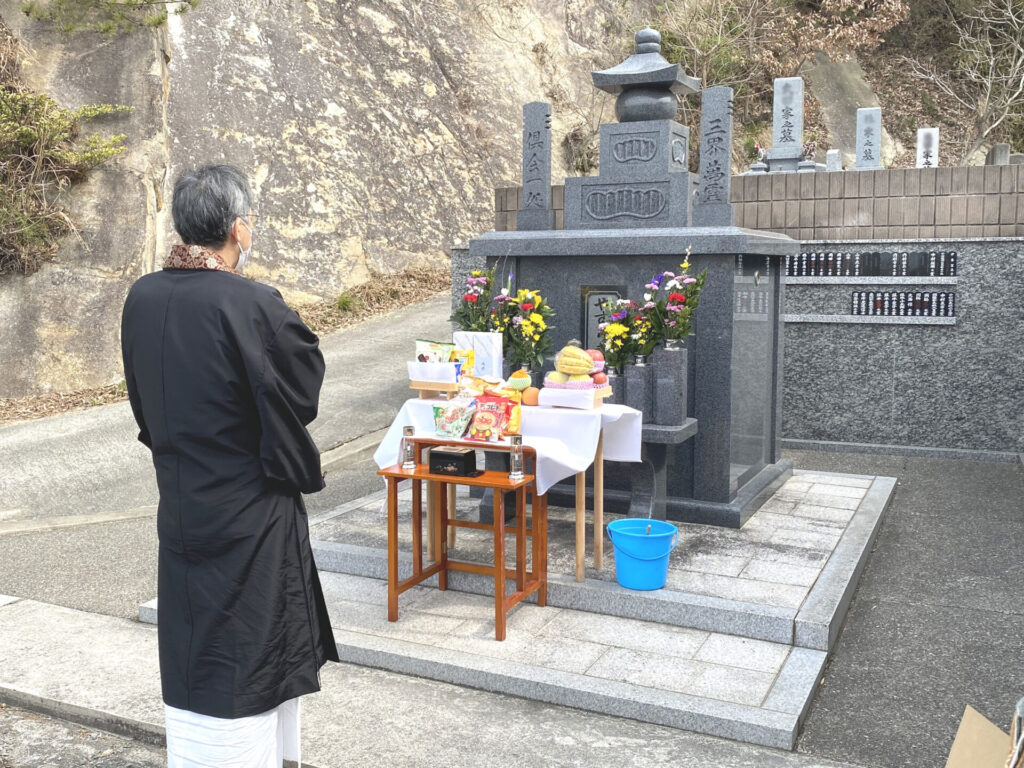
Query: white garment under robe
258,741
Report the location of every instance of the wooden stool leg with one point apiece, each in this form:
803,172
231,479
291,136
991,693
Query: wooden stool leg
431,521
499,565
581,522
440,529
451,512
417,527
534,533
392,549
520,539
599,502
542,593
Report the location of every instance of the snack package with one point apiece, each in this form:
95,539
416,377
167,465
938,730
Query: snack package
433,351
468,359
491,414
515,417
452,418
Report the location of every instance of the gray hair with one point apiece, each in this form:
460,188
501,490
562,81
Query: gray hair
206,203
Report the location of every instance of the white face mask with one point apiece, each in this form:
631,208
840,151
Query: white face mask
243,255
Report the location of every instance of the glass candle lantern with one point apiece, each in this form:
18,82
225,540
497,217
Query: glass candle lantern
515,458
408,451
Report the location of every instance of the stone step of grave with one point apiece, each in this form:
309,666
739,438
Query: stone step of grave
102,672
739,688
787,576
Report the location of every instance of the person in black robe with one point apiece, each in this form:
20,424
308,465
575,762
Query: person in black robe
223,379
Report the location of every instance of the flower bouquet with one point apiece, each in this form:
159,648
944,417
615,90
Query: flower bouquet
524,319
617,342
474,310
679,295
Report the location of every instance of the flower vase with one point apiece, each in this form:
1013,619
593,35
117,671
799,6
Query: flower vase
618,384
640,389
671,377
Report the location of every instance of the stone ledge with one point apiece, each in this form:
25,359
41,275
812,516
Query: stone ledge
754,725
821,616
713,614
869,280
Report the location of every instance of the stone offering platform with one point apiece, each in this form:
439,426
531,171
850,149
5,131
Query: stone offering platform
733,646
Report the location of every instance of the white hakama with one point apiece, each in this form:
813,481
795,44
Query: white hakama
258,741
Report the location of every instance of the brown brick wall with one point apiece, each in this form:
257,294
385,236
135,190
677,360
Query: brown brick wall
980,201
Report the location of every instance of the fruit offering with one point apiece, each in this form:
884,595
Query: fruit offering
520,380
574,361
598,357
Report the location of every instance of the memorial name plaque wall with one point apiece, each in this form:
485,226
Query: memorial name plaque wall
909,264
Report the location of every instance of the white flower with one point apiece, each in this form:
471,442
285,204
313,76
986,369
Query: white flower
504,291
647,297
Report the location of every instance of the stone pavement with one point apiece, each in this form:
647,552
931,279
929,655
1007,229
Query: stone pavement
360,717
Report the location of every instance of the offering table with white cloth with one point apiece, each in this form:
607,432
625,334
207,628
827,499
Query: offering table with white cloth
567,441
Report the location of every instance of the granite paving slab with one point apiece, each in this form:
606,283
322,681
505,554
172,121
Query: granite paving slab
99,671
753,581
700,681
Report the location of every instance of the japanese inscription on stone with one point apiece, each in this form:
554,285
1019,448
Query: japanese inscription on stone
788,112
712,206
927,147
536,210
869,137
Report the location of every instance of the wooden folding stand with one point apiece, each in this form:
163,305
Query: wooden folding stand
527,582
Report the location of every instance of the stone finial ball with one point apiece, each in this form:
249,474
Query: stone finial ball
648,41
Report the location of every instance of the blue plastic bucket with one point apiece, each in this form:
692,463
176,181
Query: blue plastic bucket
641,558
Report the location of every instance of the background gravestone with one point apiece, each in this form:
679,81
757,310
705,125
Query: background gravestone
869,138
787,125
927,147
535,212
833,160
998,155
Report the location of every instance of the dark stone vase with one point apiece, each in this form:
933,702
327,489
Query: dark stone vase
640,390
671,368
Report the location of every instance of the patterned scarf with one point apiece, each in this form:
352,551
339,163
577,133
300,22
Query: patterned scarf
195,257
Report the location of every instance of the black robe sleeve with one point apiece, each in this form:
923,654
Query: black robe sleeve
133,392
287,398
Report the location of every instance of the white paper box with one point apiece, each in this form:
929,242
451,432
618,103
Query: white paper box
487,351
567,398
436,373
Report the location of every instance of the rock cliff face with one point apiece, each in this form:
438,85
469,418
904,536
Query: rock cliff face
374,132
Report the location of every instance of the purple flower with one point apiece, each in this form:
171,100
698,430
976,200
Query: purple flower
651,286
657,280
649,305
671,323
668,274
690,281
619,315
517,320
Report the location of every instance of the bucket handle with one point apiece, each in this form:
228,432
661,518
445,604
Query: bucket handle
675,537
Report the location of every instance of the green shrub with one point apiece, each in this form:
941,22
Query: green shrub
42,152
348,303
109,17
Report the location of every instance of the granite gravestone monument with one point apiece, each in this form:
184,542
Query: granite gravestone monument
787,125
712,206
644,179
833,160
536,212
927,147
869,138
724,459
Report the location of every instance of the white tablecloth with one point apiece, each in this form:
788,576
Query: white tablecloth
565,439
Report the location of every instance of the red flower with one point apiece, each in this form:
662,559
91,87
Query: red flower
678,298
527,306
469,297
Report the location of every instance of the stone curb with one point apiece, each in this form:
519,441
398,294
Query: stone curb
820,617
716,718
925,452
682,609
